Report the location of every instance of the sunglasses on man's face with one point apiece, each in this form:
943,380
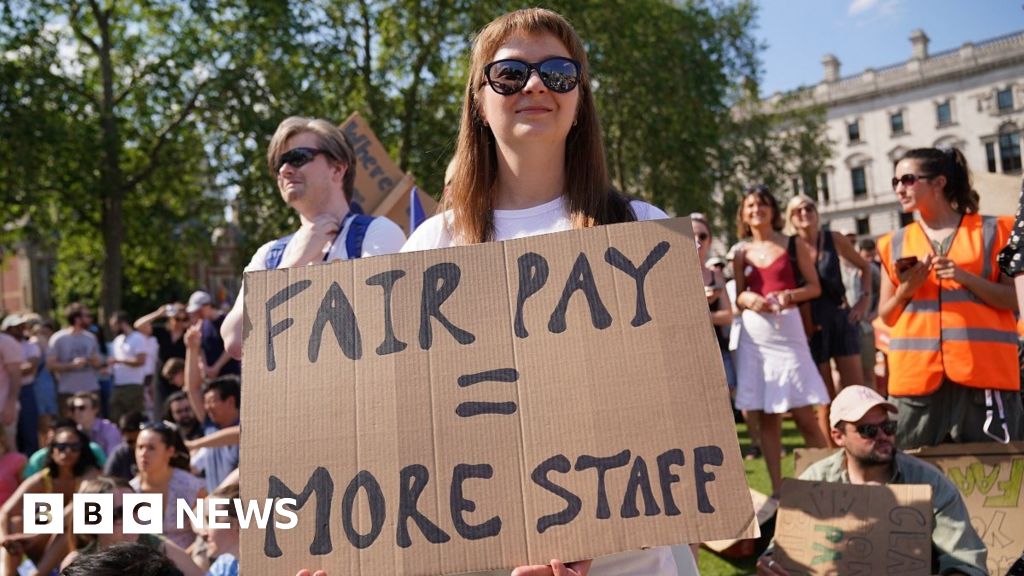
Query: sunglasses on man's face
506,77
908,180
870,431
68,446
297,157
703,236
79,407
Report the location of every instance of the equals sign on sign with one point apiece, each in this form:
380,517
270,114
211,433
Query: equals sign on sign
468,409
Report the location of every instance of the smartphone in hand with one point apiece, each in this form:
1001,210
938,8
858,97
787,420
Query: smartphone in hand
906,263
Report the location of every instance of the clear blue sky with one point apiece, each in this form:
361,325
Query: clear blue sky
868,33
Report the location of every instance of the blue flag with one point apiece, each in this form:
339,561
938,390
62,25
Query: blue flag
416,213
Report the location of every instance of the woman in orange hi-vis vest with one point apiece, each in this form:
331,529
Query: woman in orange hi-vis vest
953,368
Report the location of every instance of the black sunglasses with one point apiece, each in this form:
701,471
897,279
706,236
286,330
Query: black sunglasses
160,425
908,180
703,236
506,77
869,431
67,446
79,407
297,157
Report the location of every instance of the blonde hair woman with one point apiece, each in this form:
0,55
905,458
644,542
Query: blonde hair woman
836,322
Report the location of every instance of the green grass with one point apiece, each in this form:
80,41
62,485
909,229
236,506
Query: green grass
711,564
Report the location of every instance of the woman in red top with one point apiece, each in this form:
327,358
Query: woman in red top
775,371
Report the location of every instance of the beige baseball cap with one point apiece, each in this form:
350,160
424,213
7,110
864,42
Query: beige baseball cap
853,403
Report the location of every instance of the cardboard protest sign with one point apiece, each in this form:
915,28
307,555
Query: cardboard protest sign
764,510
826,528
990,478
804,457
474,408
381,188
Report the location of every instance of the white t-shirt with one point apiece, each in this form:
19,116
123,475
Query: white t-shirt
30,350
128,348
511,224
382,237
547,218
11,354
152,356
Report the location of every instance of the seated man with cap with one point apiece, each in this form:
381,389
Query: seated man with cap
862,429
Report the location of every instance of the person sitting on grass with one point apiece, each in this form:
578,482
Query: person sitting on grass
861,427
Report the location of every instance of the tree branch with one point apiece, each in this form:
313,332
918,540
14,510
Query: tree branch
153,156
76,27
136,76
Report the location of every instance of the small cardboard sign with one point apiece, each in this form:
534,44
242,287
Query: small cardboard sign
990,478
483,407
827,528
380,188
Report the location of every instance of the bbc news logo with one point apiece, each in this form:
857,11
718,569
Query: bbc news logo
144,513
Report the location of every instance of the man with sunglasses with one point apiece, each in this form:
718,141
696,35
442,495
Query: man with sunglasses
861,427
315,168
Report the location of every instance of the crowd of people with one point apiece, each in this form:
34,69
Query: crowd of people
794,307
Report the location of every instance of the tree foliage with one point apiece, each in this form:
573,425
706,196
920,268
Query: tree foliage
772,142
125,125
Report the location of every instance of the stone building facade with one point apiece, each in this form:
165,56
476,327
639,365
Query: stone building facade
971,97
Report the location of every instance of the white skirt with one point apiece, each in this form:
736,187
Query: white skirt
774,369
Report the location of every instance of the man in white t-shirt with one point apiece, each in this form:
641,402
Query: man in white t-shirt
149,371
27,436
128,363
11,360
315,169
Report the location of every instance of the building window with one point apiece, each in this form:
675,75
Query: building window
896,123
810,185
990,156
906,218
824,188
860,182
1009,151
944,113
1004,99
853,131
863,226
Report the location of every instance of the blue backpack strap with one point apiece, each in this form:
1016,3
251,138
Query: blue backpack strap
356,233
273,259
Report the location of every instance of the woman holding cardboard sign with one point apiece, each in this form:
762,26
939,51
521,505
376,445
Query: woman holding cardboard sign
530,160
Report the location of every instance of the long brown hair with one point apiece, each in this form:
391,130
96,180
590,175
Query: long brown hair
764,194
470,196
959,190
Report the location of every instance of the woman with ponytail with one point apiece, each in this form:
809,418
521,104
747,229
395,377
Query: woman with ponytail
953,368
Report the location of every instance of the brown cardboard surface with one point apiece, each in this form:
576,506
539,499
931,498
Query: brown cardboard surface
990,478
825,528
609,377
804,457
764,509
381,188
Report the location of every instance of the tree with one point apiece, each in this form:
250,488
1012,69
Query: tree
772,142
127,124
109,93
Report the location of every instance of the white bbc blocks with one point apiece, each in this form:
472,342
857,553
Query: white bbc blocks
143,513
43,513
93,513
